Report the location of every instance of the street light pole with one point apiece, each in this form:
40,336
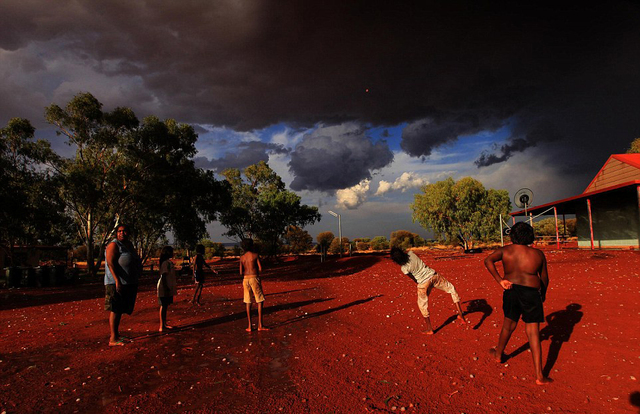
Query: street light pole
339,229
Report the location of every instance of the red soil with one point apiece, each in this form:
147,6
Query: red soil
345,337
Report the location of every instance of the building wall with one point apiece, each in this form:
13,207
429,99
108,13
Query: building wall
616,221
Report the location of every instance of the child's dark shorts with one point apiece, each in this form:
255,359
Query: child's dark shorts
120,302
165,300
199,275
525,301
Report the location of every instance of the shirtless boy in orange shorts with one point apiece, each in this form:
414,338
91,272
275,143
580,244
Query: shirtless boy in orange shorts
250,269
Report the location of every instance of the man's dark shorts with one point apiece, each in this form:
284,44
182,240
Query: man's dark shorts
525,301
120,302
165,300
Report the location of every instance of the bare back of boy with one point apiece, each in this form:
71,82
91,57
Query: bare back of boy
250,264
523,265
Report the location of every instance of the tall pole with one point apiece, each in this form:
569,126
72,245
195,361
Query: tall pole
340,232
555,213
339,229
501,235
590,221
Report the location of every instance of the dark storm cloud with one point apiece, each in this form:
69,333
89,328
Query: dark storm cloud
559,72
504,153
199,129
336,157
248,153
421,137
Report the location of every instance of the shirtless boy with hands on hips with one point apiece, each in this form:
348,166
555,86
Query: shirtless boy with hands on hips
524,287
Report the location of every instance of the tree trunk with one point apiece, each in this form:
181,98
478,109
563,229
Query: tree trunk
93,270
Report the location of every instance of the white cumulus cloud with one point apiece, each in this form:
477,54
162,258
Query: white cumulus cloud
352,197
406,181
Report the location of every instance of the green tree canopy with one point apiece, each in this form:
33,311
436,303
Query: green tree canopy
30,209
547,227
127,171
634,148
335,247
298,240
405,239
324,239
262,208
462,211
379,243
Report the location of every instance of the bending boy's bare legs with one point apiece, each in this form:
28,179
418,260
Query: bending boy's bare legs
261,327
250,328
461,317
508,326
429,330
533,333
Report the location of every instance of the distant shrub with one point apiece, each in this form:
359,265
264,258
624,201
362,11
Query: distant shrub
215,250
362,246
379,243
334,248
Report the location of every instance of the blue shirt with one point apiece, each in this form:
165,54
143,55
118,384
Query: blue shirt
128,268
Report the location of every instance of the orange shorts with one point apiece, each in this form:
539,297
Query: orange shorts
252,284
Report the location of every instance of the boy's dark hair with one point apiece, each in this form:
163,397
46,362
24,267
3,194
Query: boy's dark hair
200,249
522,233
399,256
247,245
165,254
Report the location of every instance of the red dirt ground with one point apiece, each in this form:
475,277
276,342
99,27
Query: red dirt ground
345,338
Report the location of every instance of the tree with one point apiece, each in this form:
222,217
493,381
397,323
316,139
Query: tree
547,227
335,247
404,239
261,207
362,246
299,240
379,243
324,240
634,148
464,211
125,171
170,195
30,209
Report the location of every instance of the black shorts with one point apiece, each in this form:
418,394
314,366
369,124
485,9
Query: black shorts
199,274
120,302
165,300
525,301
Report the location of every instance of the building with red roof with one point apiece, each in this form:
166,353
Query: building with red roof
608,210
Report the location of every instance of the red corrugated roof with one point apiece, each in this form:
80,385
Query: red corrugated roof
631,159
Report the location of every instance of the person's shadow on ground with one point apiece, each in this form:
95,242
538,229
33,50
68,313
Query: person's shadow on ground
478,305
634,399
559,328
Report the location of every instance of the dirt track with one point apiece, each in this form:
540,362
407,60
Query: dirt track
345,337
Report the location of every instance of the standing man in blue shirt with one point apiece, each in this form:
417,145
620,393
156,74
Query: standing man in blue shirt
123,267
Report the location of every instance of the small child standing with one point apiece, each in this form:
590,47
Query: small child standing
524,287
426,279
198,272
250,268
167,286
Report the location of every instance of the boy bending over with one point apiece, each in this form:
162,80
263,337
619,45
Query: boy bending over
427,279
524,287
